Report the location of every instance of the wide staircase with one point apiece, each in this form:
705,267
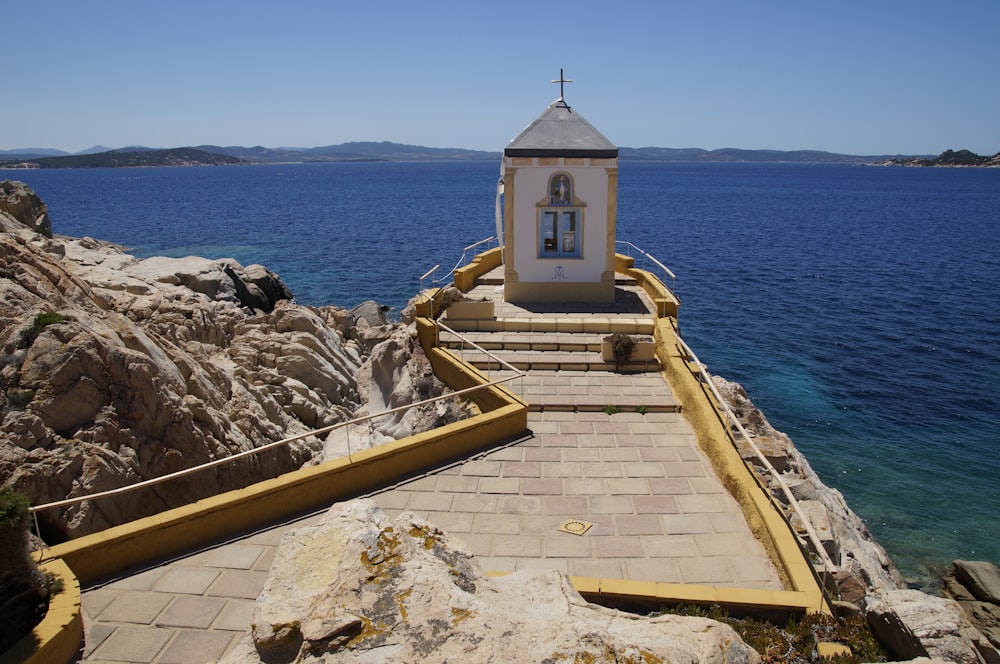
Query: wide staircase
559,347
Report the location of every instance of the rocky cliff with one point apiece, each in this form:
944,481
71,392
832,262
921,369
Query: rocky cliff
116,370
963,626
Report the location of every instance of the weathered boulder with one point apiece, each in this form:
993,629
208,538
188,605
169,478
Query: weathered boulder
359,587
980,577
910,624
21,204
974,585
371,313
396,373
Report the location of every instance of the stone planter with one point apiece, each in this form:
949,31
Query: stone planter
470,310
644,350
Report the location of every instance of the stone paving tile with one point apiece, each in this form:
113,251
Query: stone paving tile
565,545
96,634
191,646
542,486
193,612
670,487
582,454
669,547
705,503
246,584
557,564
656,505
454,522
496,524
687,524
143,580
544,454
235,616
266,559
714,570
519,505
506,454
94,601
648,524
188,580
617,547
610,505
499,485
523,546
584,487
660,570
133,644
135,607
598,569
236,556
565,504
521,469
430,502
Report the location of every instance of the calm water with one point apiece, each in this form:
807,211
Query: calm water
857,305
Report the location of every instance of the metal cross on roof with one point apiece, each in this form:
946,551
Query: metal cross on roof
561,80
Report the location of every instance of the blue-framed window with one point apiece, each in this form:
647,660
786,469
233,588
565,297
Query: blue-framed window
559,233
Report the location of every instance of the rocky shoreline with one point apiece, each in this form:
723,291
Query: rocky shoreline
962,626
117,369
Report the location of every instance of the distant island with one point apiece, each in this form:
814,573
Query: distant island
948,158
214,155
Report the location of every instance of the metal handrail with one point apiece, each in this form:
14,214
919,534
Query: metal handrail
459,264
500,362
653,260
284,441
427,274
820,550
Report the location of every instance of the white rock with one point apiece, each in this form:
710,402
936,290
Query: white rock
358,587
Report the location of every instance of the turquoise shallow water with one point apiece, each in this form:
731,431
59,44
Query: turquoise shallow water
857,305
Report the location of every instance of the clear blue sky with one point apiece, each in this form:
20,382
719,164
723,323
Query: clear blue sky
858,77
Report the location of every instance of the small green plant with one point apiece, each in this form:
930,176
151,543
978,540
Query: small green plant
27,336
642,410
622,346
13,508
611,409
18,398
55,583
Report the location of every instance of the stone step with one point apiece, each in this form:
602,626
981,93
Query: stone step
530,360
540,341
570,391
495,278
591,325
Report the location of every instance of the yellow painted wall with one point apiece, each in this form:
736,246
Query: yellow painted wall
182,529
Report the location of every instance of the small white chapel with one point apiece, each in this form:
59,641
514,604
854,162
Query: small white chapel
560,183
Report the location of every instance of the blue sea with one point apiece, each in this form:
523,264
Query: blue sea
857,305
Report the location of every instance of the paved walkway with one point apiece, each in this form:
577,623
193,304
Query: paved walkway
633,495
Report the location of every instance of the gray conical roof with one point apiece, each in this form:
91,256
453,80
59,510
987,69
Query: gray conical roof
560,132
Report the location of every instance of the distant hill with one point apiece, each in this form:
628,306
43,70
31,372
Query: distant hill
738,155
29,153
128,157
353,151
387,151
